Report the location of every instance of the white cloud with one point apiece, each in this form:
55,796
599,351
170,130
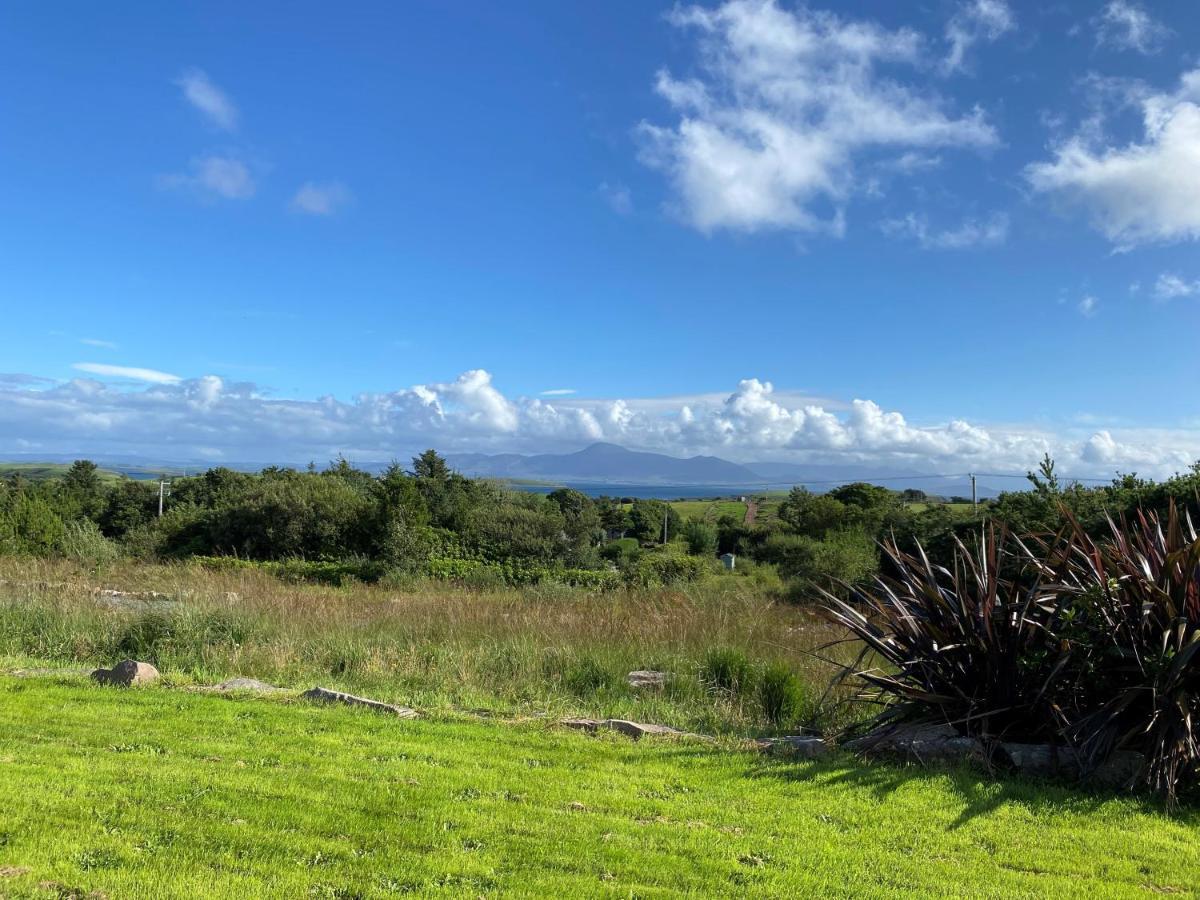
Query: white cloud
558,392
130,372
209,99
209,176
207,417
783,107
1170,286
975,21
617,196
988,232
96,342
1141,192
1087,306
320,199
1127,26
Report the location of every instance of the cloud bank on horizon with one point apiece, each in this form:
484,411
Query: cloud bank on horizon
214,420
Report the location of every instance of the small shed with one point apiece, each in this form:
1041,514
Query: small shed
728,560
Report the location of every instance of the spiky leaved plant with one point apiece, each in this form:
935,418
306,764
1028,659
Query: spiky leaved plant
1139,593
973,646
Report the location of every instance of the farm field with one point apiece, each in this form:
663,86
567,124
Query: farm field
709,510
165,792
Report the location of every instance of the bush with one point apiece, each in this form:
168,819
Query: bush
701,538
728,671
781,694
83,541
1091,644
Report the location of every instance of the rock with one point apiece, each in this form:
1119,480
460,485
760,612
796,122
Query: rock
324,695
127,673
247,684
1041,760
645,678
801,745
588,725
638,730
923,743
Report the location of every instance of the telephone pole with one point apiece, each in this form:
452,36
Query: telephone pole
162,486
974,495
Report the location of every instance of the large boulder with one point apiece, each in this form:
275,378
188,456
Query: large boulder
127,673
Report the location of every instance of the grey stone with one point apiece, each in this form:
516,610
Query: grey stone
922,742
324,695
646,678
126,673
589,725
638,730
801,745
1043,760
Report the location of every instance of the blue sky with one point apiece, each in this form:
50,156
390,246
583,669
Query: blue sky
717,227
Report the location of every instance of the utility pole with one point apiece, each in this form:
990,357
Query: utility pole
666,519
162,485
974,496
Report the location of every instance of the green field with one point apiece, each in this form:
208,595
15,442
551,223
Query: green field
43,471
168,793
709,510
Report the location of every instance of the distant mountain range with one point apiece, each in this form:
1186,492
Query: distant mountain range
611,464
608,464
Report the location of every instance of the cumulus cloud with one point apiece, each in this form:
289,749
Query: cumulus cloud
988,232
1170,286
1087,306
320,199
214,176
1142,192
130,372
979,20
210,418
1127,26
209,99
784,106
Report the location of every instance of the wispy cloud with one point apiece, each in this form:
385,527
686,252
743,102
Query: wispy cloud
1127,26
617,196
975,21
988,232
209,99
133,373
1170,286
96,342
559,392
320,199
214,176
1087,306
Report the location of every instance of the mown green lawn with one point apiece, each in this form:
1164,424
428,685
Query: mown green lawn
168,793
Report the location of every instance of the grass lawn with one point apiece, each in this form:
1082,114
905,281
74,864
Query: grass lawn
168,793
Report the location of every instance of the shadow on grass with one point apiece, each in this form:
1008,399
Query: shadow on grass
982,792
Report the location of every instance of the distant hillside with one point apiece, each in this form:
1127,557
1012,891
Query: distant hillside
605,463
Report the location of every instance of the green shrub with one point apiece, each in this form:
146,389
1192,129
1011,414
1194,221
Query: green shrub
728,671
83,541
782,695
587,676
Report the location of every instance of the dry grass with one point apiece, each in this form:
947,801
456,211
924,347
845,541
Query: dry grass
542,649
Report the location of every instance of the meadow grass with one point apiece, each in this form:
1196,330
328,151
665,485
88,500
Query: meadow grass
709,510
545,649
169,793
